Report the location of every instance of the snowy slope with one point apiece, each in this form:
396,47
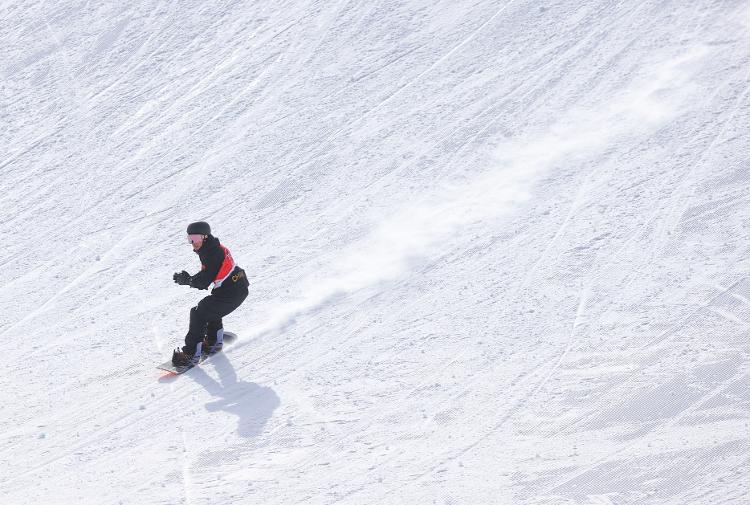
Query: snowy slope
498,251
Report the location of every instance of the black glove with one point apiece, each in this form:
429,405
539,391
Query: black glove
182,278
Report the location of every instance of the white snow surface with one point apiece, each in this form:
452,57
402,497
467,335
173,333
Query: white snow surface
498,251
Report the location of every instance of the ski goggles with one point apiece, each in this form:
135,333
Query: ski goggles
194,239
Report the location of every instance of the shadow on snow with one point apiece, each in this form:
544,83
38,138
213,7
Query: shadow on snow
251,403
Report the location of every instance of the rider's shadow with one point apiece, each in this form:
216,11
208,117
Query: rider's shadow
251,403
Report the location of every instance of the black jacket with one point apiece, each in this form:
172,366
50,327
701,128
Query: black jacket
218,267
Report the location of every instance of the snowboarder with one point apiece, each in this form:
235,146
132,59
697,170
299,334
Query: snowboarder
206,332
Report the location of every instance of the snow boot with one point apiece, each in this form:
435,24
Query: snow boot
213,344
182,358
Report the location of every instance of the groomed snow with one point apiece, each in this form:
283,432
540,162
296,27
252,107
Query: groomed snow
498,251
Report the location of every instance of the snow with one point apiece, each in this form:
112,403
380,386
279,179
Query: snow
498,251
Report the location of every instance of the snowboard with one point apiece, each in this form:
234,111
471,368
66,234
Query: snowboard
229,338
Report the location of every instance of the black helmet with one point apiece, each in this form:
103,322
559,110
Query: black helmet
199,228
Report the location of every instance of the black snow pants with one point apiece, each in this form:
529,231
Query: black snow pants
206,317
